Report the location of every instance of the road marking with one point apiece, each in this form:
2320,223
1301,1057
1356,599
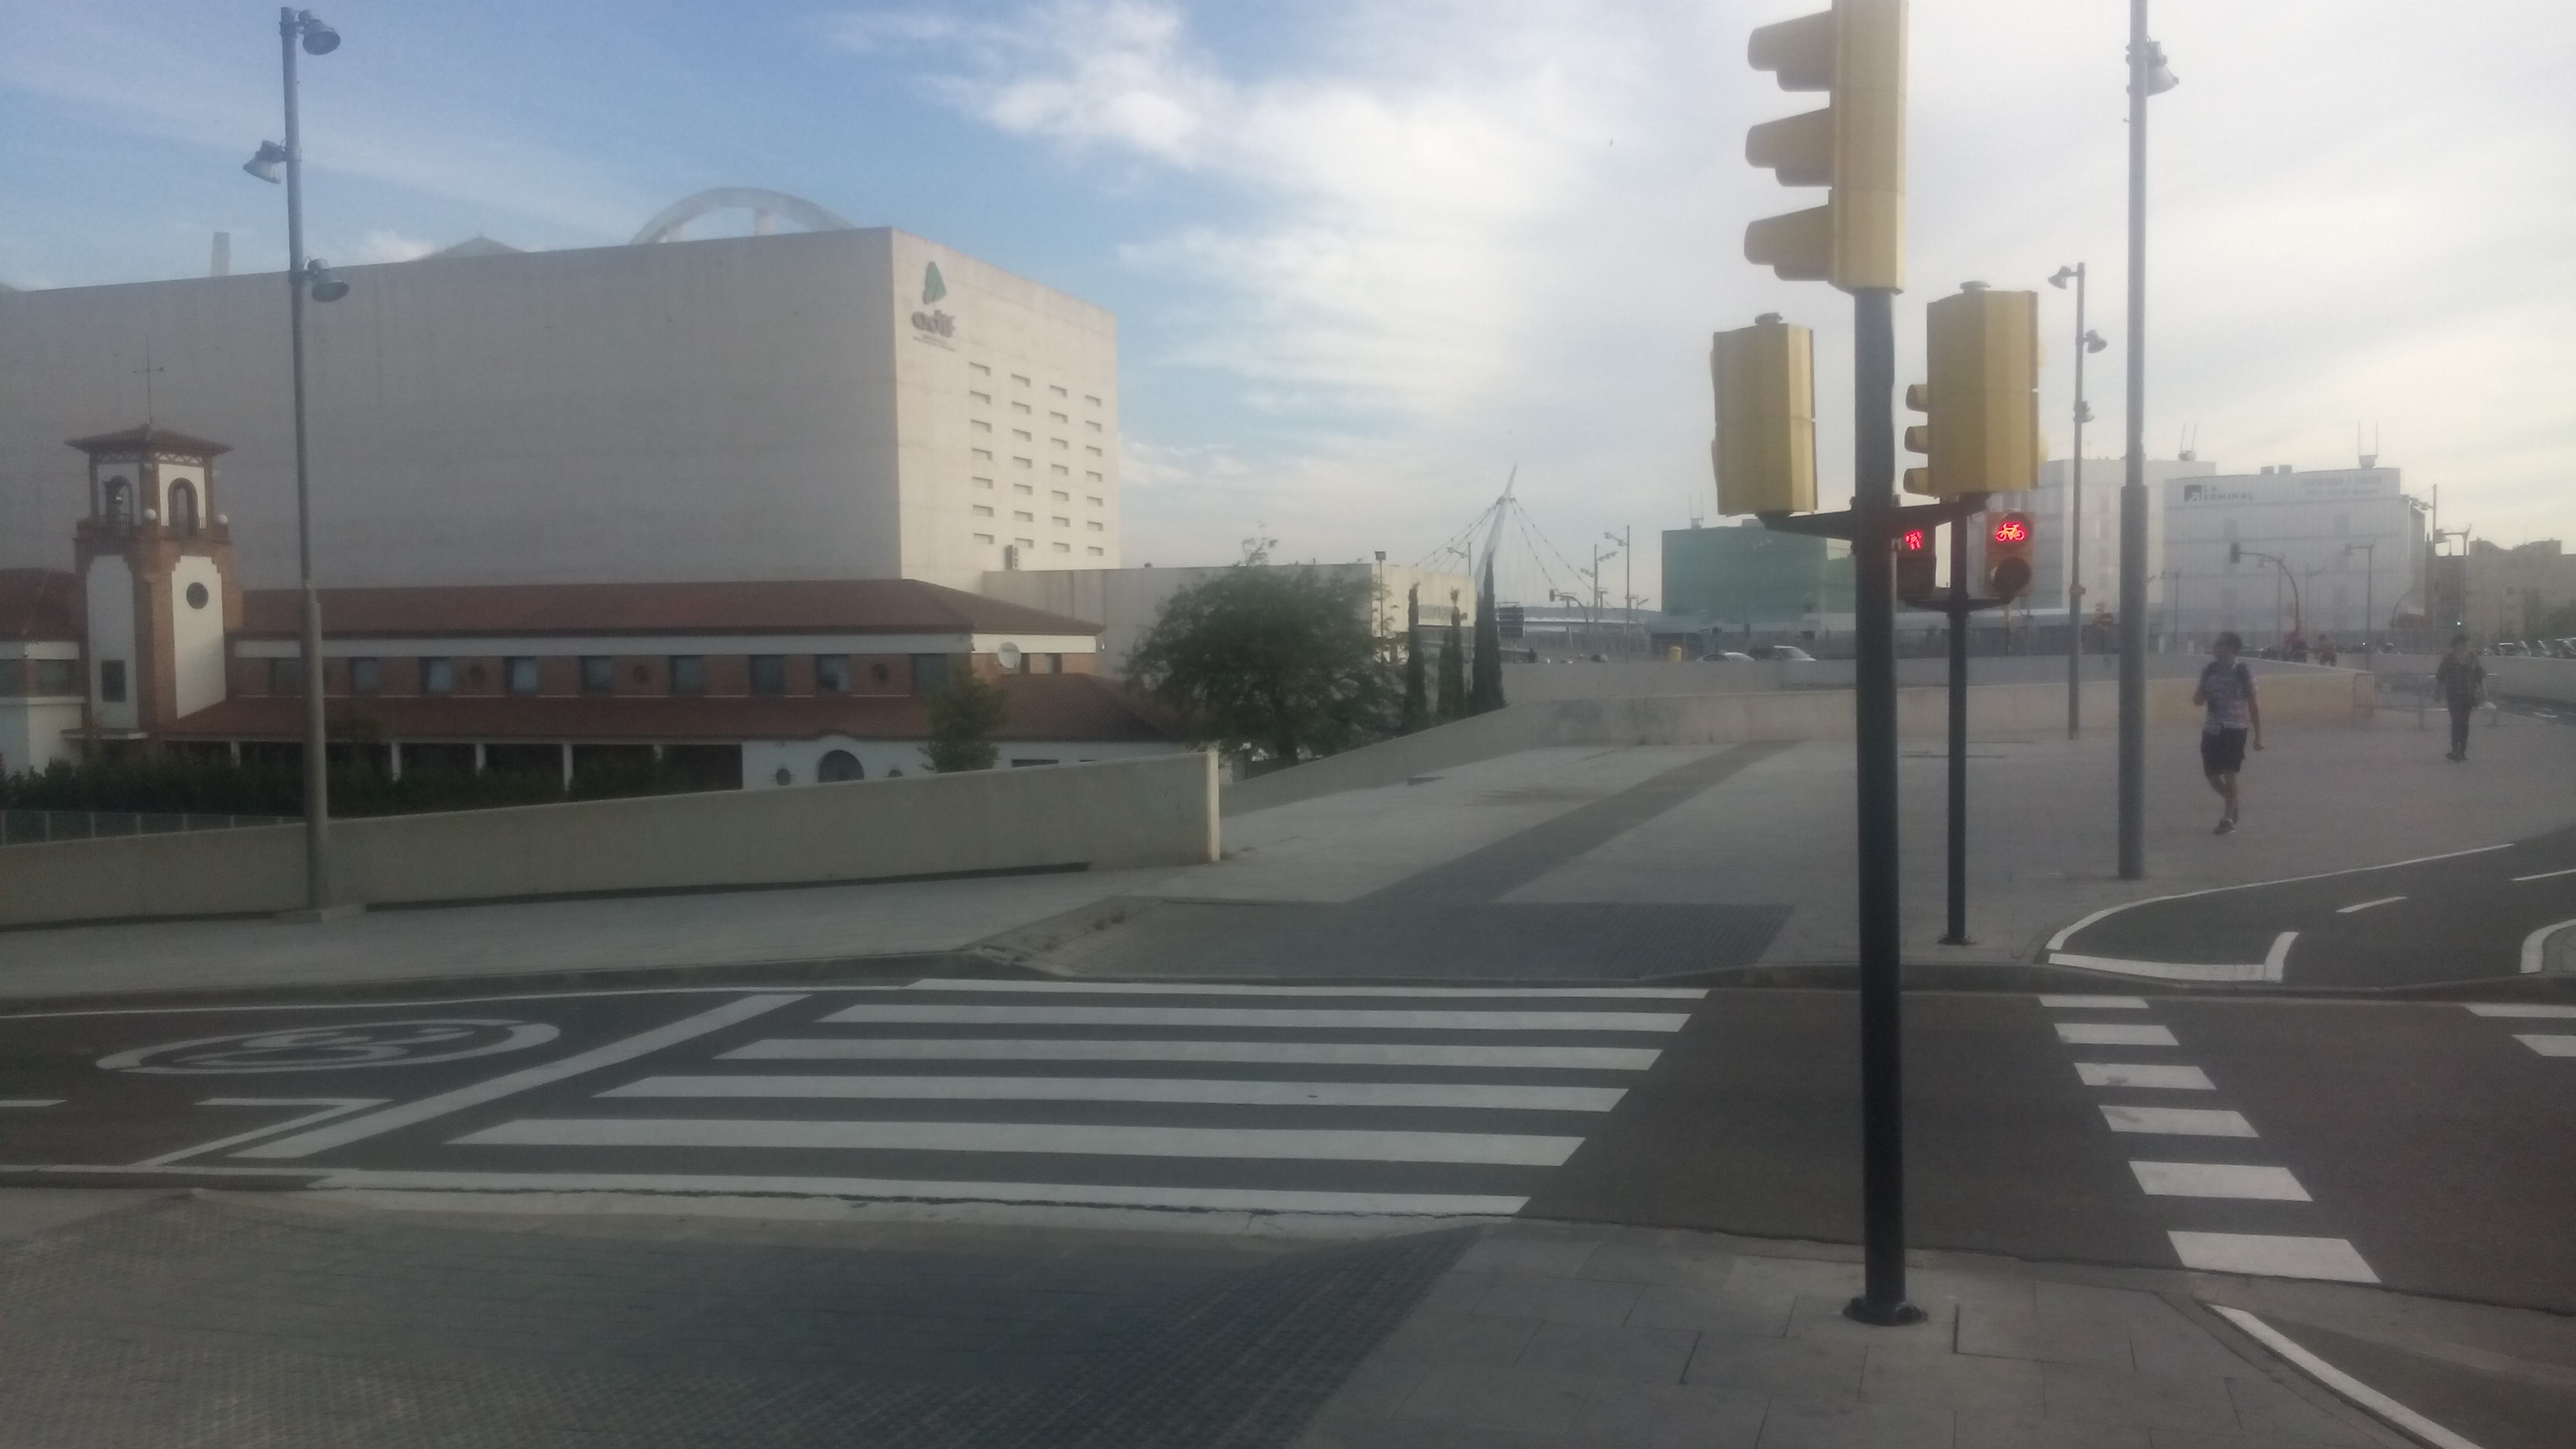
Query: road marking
1184,988
2218,1179
348,1130
31,1102
2366,905
2545,875
330,1107
2094,1003
1198,1199
2343,1383
2061,937
1346,1053
2277,960
2537,942
2140,1074
2548,1046
2267,1256
1210,1016
2518,1008
2178,1121
2095,1033
1344,1145
1483,1095
2170,970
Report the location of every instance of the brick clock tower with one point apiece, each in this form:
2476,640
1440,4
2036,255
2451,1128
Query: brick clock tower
155,559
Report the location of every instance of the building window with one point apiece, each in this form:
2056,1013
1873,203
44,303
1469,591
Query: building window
1061,443
769,674
983,510
929,673
598,674
57,676
985,398
1020,408
438,675
979,425
1094,478
1061,522
985,454
831,674
111,680
688,674
1095,452
838,765
521,671
1022,434
1093,500
285,677
1095,526
1097,552
979,369
13,678
1023,488
1022,381
1059,470
1064,548
1024,518
1059,392
981,482
366,676
1094,427
1087,397
1061,496
1059,417
183,508
1023,462
120,502
1024,543
983,538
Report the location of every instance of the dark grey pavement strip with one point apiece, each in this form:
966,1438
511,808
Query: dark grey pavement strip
193,1322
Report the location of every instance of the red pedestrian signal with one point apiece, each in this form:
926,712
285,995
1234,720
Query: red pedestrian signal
2008,567
1915,565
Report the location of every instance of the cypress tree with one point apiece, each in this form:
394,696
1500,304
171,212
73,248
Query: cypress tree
1417,704
1453,670
1485,689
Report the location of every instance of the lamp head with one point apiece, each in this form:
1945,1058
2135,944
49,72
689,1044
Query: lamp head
2159,76
319,37
264,164
2093,341
325,286
2064,275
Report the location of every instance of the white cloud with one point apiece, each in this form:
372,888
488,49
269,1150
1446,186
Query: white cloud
391,246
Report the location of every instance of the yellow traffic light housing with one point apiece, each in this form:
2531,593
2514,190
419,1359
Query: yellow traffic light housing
1982,402
1856,146
2008,544
1765,449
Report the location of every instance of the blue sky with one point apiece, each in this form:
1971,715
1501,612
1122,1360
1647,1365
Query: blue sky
1367,257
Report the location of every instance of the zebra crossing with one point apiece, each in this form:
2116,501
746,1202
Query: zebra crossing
2546,1043
1381,1100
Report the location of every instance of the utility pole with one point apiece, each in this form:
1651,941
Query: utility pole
2147,76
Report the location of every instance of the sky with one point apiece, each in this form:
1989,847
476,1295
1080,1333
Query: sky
1370,259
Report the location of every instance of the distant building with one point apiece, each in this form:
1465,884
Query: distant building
2351,545
2495,593
2052,520
1126,602
150,641
830,404
1751,579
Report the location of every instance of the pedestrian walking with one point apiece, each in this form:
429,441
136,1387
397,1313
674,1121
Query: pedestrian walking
2327,655
2227,688
2462,681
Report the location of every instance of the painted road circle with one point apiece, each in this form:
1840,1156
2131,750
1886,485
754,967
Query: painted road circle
334,1048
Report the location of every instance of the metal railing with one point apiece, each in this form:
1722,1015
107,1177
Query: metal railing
39,827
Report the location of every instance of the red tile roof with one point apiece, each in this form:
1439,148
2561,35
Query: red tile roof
41,604
822,606
1080,707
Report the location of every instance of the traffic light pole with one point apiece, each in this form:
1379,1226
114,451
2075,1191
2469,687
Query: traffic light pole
1959,606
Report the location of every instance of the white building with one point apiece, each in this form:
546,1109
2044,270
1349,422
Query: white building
823,405
2052,520
2349,540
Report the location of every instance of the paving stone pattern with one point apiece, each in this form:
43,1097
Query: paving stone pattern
192,1322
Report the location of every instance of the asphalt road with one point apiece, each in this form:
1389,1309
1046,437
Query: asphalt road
2472,916
2420,1145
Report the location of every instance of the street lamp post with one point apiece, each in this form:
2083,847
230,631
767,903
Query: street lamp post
304,28
2147,76
2085,341
2369,599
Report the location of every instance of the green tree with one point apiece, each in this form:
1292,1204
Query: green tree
963,715
1417,692
1453,668
1278,662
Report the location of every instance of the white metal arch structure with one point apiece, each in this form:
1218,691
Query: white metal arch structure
760,202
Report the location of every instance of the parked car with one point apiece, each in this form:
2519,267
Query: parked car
1783,653
1727,656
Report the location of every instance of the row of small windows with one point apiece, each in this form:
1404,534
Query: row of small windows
41,676
522,674
1021,380
988,539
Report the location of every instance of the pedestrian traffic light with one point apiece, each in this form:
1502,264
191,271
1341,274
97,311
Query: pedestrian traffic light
1916,565
1765,449
2008,544
1856,146
1981,402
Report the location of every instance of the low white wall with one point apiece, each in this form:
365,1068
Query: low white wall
1804,714
2507,675
1645,679
1111,815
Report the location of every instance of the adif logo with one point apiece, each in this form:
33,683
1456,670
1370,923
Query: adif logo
930,321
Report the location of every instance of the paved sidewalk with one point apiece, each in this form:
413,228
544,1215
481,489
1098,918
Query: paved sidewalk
224,1320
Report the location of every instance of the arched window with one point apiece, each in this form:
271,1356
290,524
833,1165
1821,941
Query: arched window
120,502
839,765
183,508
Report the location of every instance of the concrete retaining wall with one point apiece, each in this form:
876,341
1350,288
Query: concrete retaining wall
1110,815
2516,678
1818,714
1638,679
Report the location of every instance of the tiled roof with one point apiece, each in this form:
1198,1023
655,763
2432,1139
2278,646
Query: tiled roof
40,604
1039,707
147,437
823,606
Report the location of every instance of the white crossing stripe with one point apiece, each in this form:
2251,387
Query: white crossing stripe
1496,1096
2264,1255
1196,1199
2519,1008
2546,1044
1296,1053
2178,1121
1345,1145
2092,1033
2142,1074
2218,1179
2366,905
2094,1003
1186,988
30,1101
1276,1017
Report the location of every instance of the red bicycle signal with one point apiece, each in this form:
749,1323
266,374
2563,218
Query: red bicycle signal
2012,528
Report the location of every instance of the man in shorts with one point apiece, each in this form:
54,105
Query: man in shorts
2227,688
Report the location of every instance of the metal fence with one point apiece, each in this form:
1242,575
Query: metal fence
35,827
